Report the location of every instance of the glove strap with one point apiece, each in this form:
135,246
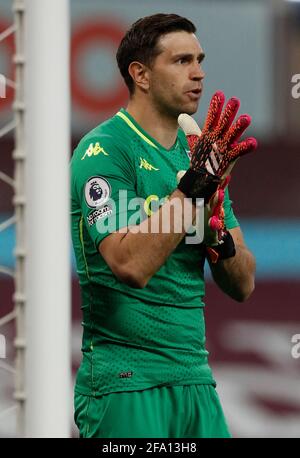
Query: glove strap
198,184
225,249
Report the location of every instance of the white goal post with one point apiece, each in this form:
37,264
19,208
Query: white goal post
47,233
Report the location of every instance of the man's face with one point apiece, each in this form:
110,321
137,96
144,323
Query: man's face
176,75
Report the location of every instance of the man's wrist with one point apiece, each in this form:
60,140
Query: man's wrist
198,184
224,250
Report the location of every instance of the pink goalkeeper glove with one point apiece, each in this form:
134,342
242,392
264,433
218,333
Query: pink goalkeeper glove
215,151
216,148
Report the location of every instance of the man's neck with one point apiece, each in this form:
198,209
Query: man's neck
162,128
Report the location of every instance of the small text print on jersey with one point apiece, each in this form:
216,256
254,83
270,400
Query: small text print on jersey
145,165
94,151
126,374
97,192
100,213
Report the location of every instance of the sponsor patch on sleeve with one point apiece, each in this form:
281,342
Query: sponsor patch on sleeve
99,214
97,192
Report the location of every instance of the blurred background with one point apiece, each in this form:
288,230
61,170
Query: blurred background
252,52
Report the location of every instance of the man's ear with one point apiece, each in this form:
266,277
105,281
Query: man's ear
140,75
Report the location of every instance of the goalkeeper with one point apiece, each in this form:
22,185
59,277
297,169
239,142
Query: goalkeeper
144,370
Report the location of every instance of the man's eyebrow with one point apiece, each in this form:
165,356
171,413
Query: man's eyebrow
201,56
187,55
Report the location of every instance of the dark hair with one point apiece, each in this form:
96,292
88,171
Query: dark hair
140,41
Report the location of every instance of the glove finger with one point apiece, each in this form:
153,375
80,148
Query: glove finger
242,148
238,128
215,222
214,111
190,128
192,142
188,125
201,152
225,182
207,141
238,150
228,116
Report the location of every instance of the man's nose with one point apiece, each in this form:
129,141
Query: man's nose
197,73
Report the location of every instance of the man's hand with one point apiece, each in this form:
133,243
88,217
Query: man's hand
215,216
216,149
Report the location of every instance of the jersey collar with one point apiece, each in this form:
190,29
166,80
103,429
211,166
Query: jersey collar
131,122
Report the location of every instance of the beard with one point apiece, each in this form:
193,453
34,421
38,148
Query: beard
172,106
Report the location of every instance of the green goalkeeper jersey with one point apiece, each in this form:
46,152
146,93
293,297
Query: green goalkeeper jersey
134,339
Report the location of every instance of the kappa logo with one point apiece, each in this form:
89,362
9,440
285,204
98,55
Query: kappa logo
94,151
145,165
